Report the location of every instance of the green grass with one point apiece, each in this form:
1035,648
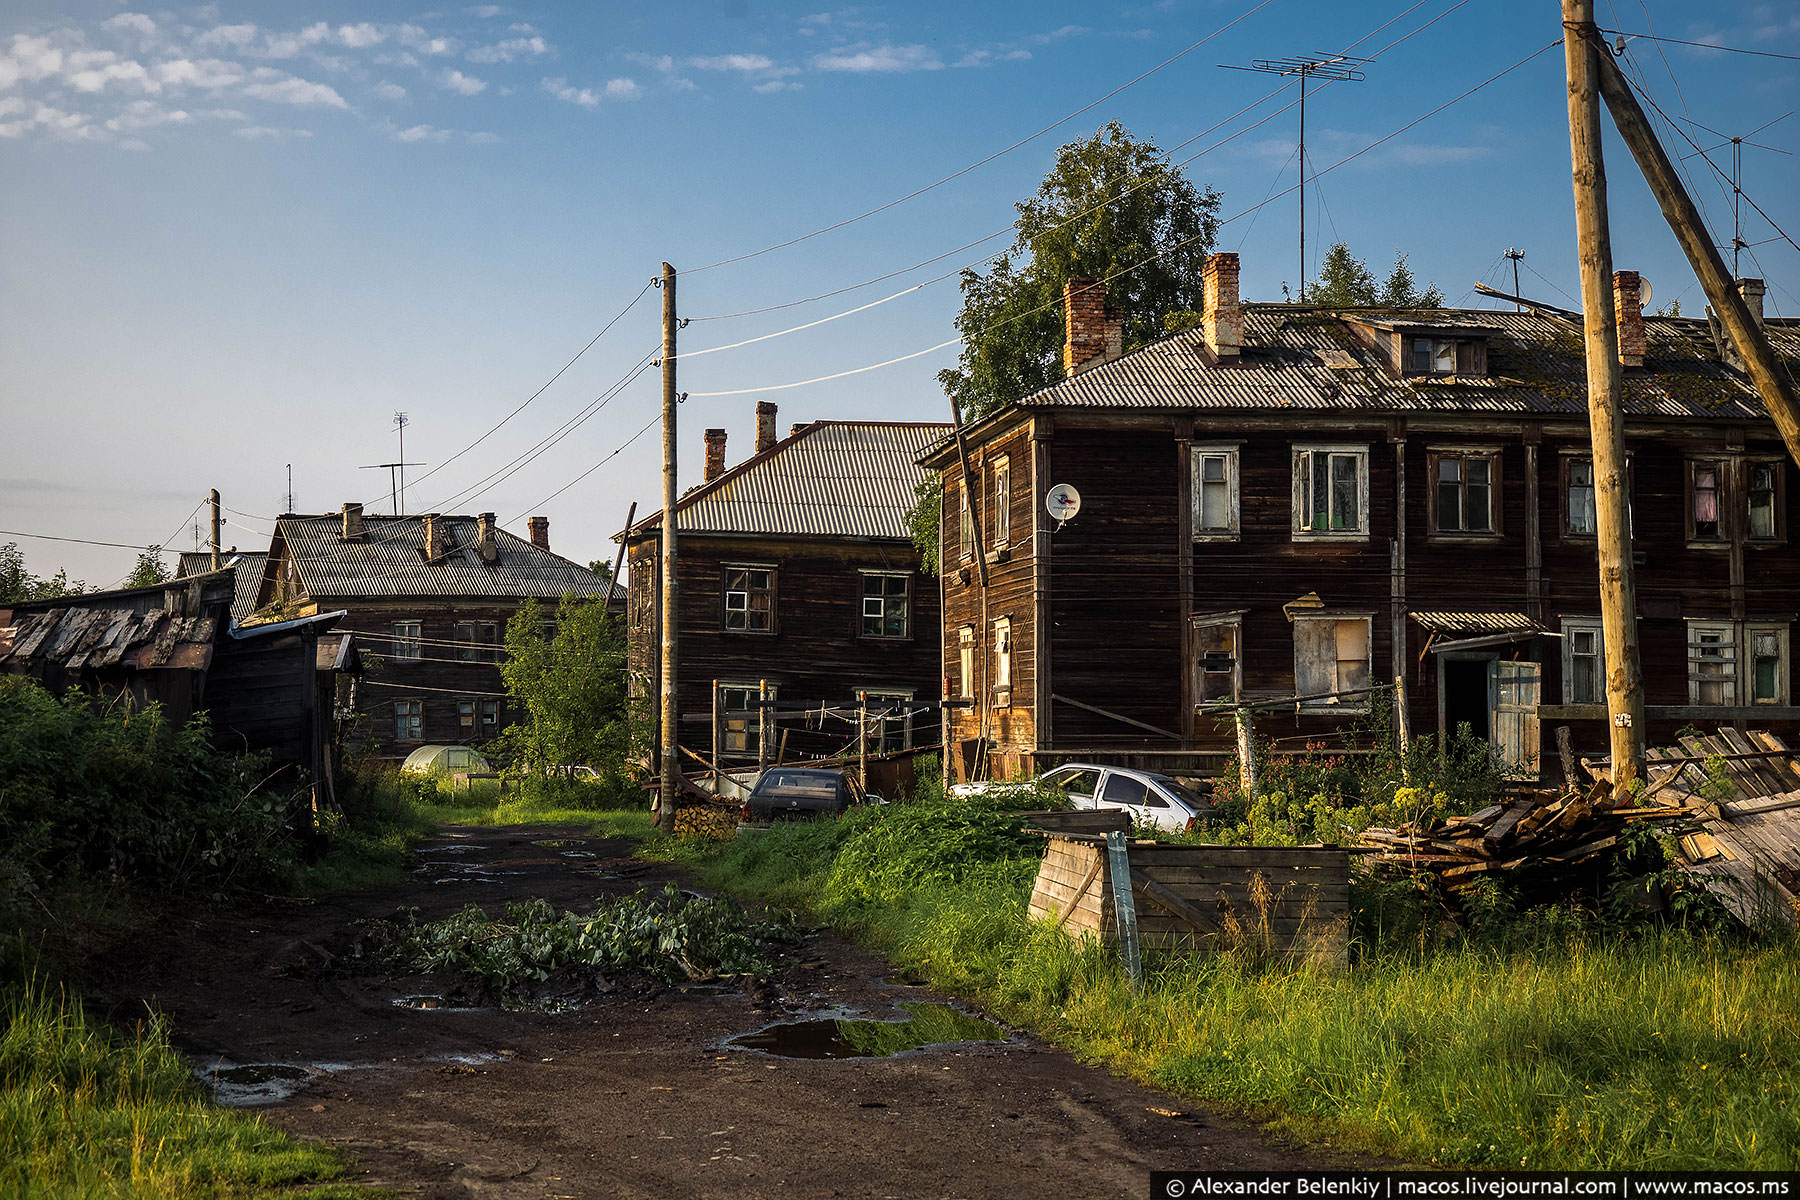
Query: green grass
86,1112
1578,1050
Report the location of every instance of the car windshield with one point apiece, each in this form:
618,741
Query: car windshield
796,783
1182,793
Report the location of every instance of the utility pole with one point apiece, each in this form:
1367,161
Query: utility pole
1516,254
290,496
214,497
670,791
1338,67
1678,209
1618,587
400,423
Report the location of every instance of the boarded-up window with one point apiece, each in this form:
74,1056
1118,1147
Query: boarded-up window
1712,663
1216,672
1768,651
1331,661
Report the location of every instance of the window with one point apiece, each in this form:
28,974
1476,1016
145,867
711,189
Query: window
966,656
1002,504
750,599
1705,482
1077,783
886,605
475,641
1584,661
1463,496
1124,791
548,629
1764,485
477,720
409,720
1432,356
1216,672
890,722
740,715
1579,518
1003,655
1331,491
1215,493
407,640
1331,658
965,528
1712,663
1768,652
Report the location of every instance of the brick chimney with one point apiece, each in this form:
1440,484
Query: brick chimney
540,532
1753,290
484,538
1222,318
715,454
1628,291
1092,332
765,424
353,526
437,537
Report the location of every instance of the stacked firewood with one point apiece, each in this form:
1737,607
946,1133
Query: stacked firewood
1539,832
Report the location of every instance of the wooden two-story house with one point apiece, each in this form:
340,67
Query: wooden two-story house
1332,510
428,598
796,573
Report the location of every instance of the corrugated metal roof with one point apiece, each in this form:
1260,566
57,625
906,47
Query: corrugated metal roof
850,479
1477,622
1535,366
247,563
389,560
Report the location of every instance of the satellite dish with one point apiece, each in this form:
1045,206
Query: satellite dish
1644,293
1062,502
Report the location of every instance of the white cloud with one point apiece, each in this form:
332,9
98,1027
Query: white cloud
358,37
236,36
130,22
622,89
509,50
210,73
487,12
732,62
422,41
389,91
147,114
652,62
563,90
879,59
482,138
127,72
422,133
287,45
777,85
463,85
266,133
278,88
32,58
10,105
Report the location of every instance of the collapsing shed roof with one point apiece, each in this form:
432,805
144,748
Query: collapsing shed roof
168,626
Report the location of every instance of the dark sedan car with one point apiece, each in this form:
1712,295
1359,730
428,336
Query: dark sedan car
799,793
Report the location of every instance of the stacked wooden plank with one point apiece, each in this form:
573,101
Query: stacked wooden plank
1534,833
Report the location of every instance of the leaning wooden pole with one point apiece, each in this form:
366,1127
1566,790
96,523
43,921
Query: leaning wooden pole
1618,588
1775,388
670,714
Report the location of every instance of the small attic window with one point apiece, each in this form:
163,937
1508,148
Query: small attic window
1445,355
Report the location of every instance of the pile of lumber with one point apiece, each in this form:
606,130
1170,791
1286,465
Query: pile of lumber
1535,833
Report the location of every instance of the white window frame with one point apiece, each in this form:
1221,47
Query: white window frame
1198,455
887,698
1303,456
1233,621
1001,473
414,729
883,601
966,655
1726,634
408,641
1779,631
1341,680
1571,626
726,610
1002,656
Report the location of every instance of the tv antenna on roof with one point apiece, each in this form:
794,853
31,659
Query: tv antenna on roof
1333,67
1737,145
397,484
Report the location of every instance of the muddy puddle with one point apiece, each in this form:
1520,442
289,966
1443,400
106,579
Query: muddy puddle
429,1003
247,1085
925,1026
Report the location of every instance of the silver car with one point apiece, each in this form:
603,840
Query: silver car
1150,798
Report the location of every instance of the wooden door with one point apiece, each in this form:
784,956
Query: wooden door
1513,688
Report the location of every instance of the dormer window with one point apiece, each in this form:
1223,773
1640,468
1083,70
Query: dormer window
1433,356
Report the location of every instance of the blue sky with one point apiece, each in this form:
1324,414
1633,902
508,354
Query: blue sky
241,236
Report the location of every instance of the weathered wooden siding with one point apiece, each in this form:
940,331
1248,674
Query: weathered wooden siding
262,694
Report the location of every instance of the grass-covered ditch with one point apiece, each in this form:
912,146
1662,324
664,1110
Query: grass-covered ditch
1547,1038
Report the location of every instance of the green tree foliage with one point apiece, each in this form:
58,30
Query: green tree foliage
17,583
150,570
571,687
926,519
1345,282
1110,204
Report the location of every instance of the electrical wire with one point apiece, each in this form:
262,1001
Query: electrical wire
565,487
1650,37
990,158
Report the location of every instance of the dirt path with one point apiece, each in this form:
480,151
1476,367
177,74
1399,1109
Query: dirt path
639,1096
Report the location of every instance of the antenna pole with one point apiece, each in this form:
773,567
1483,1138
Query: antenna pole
1304,72
1516,254
400,423
290,503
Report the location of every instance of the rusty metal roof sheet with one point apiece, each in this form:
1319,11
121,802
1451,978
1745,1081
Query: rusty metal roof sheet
389,560
850,479
1477,622
247,563
1298,358
166,627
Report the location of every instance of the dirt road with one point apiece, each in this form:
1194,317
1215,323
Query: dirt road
639,1096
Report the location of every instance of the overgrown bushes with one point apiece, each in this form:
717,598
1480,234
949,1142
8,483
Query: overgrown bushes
109,792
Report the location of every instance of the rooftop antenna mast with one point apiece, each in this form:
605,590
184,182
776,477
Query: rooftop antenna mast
1334,67
400,423
290,503
1516,254
397,482
1737,145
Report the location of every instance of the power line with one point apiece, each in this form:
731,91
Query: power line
990,158
1650,37
565,487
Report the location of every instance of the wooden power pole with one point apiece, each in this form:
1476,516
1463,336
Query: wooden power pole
1618,588
669,792
216,519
